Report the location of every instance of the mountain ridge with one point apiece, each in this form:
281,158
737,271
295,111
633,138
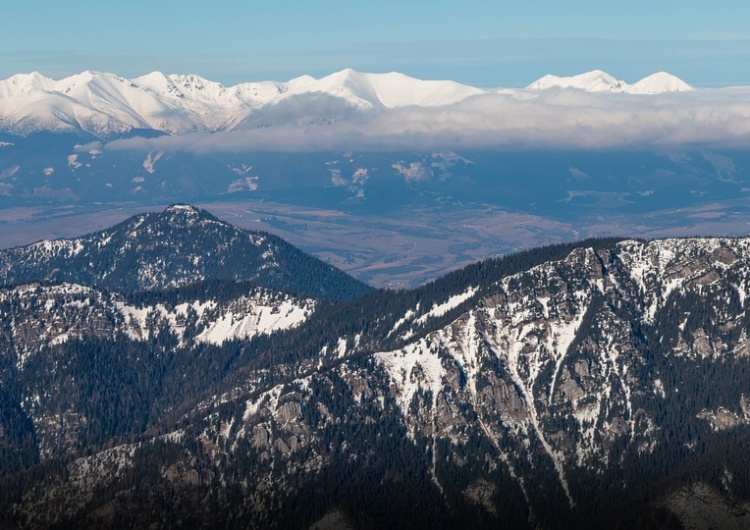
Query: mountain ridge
107,105
180,245
568,386
600,81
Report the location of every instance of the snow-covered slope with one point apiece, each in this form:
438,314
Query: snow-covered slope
659,83
106,105
36,316
389,90
594,81
563,371
542,326
598,81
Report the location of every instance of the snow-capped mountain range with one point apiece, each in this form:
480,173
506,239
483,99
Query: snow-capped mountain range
598,81
106,105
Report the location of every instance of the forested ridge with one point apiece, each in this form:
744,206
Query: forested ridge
570,386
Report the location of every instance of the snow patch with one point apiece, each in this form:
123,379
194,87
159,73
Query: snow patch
414,367
454,301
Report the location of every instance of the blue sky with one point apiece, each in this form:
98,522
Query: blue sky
480,42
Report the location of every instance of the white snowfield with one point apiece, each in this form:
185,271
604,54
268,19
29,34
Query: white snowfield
105,104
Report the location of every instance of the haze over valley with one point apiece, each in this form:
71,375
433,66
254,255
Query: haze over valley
433,174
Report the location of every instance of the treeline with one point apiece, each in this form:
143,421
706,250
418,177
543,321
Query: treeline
216,290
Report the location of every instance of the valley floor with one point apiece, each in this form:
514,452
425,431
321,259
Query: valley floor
400,248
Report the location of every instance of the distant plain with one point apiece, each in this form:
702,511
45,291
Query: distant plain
403,247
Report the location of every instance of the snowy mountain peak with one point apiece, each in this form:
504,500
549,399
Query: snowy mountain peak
599,81
301,81
180,86
174,248
180,208
105,105
389,90
594,81
22,84
198,86
88,79
159,83
659,83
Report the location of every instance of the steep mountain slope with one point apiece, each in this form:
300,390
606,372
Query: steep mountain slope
56,338
206,312
179,246
585,385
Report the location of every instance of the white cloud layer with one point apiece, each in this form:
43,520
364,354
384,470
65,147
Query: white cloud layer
510,119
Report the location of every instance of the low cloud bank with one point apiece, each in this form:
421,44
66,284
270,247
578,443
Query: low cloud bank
549,119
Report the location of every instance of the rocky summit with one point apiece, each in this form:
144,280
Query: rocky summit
174,248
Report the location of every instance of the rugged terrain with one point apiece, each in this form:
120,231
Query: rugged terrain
593,384
104,105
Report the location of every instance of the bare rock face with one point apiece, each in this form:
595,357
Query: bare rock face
181,475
